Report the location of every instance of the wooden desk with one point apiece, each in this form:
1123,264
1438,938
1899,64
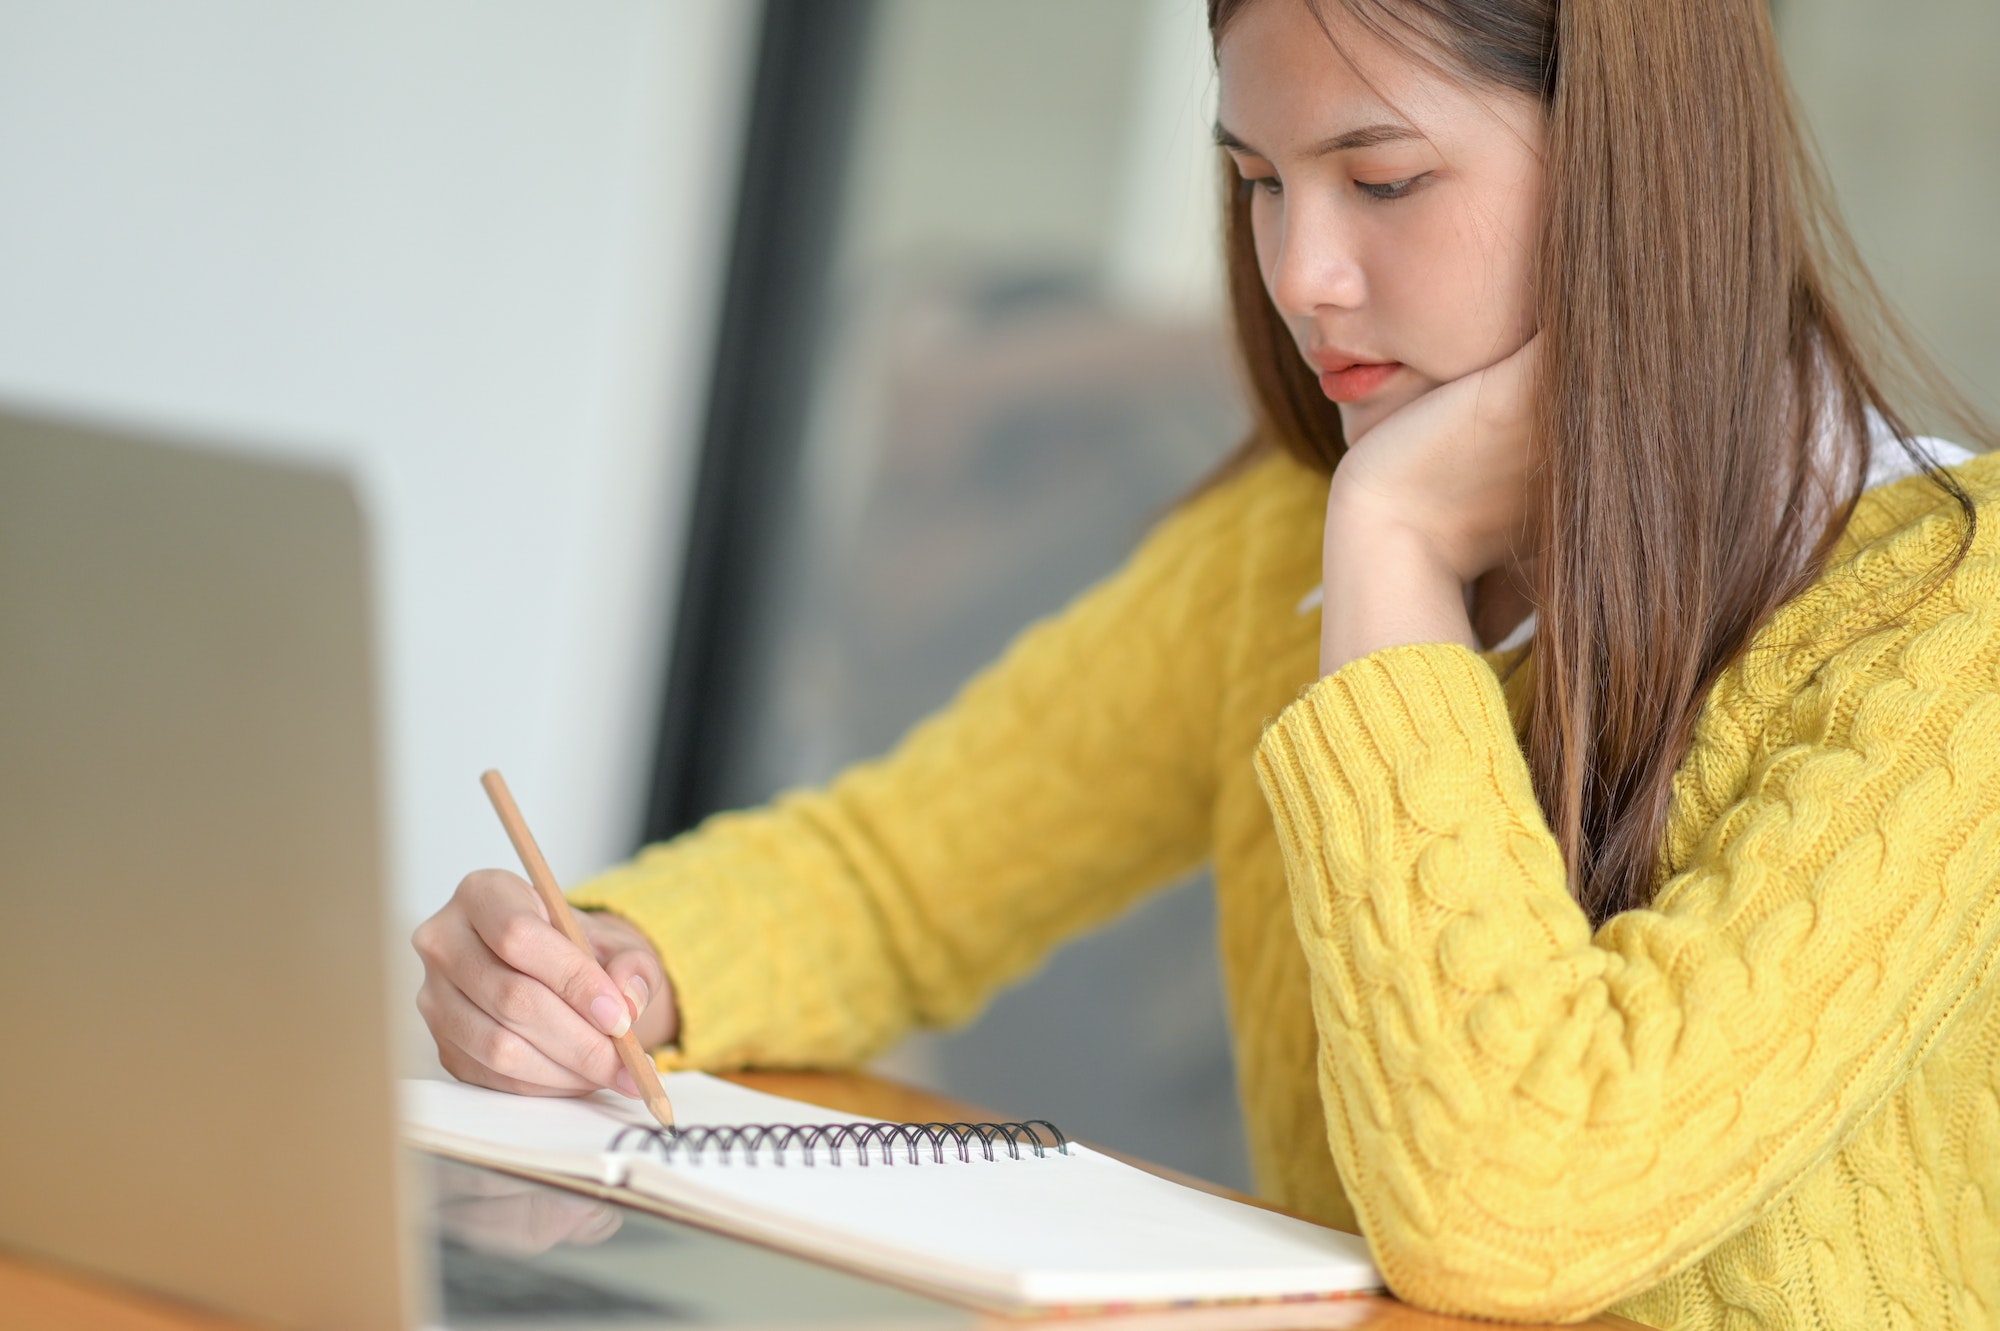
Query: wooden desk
31,1297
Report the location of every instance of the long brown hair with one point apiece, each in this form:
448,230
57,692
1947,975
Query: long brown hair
1704,320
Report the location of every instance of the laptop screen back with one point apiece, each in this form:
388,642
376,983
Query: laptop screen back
193,988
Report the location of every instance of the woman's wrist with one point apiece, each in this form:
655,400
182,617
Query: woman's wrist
1386,585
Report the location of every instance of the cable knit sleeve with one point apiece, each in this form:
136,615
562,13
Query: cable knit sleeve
1065,780
1535,1121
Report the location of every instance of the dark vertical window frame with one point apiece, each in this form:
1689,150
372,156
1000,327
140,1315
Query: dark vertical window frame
806,89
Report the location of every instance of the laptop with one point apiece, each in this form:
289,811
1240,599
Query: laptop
195,1008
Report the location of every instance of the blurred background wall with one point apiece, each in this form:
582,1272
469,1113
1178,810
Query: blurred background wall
473,249
1903,98
466,249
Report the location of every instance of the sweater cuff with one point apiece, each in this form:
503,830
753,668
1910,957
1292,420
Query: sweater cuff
1393,747
721,997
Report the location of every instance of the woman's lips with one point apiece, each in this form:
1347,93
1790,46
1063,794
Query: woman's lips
1356,381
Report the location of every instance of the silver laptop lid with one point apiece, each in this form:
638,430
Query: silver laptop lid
194,1000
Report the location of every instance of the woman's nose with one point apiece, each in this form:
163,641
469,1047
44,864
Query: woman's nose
1314,267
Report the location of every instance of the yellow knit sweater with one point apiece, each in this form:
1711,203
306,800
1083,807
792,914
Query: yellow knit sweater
1770,1100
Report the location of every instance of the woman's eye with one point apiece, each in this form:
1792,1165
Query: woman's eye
1249,185
1394,189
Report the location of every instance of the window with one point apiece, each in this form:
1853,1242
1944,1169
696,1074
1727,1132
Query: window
987,352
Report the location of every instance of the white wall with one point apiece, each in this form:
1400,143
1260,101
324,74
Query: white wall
1166,255
468,248
1904,103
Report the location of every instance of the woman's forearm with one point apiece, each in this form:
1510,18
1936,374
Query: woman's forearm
1386,586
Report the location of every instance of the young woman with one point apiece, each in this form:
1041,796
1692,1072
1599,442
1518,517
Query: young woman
1597,744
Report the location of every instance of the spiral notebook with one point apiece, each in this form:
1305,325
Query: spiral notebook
1010,1216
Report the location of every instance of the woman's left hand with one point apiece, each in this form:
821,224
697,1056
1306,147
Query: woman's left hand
1422,505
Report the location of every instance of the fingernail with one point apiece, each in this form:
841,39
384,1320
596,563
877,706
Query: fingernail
610,1015
625,1085
637,994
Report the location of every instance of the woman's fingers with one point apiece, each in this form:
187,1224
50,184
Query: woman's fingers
510,920
475,1048
523,1004
504,1011
638,975
515,1005
634,978
634,967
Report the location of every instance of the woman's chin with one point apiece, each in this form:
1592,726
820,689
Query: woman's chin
1358,418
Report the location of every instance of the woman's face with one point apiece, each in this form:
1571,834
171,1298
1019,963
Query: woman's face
1395,204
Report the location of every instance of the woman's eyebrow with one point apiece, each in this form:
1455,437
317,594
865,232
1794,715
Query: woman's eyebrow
1367,136
1225,139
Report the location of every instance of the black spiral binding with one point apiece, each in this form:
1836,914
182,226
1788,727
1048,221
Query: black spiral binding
867,1141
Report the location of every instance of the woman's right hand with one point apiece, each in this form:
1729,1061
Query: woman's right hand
514,1005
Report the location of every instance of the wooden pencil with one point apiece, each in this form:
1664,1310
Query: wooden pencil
644,1075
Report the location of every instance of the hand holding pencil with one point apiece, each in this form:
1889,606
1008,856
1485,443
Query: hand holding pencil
517,1004
637,1066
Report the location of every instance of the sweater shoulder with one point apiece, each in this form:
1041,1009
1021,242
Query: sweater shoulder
1902,544
1256,531
1916,511
1894,597
1273,489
